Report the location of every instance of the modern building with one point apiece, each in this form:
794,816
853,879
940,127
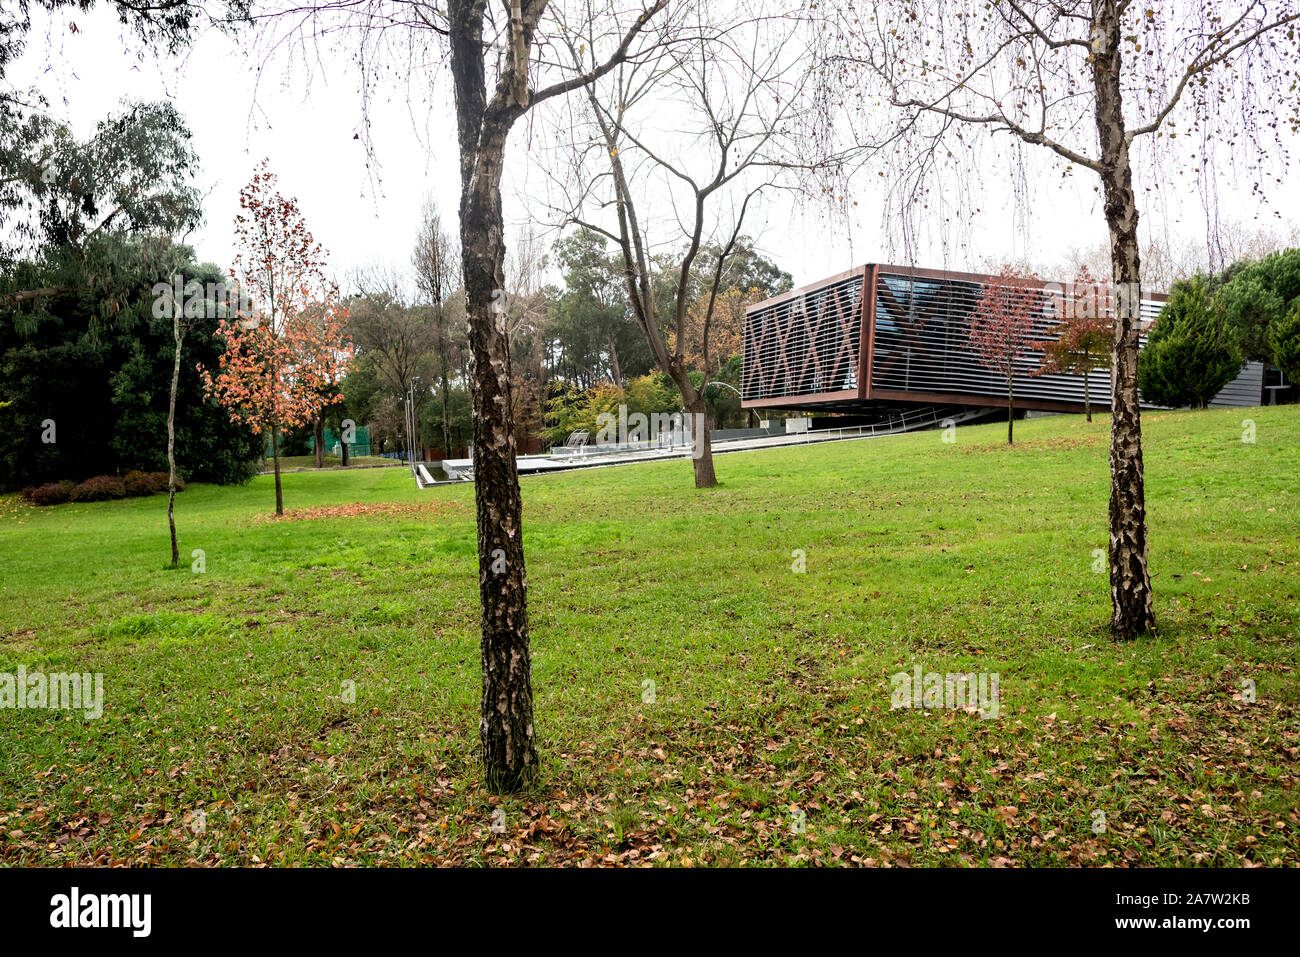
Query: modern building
896,336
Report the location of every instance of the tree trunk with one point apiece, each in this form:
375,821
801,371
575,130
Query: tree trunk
1011,411
704,474
614,363
171,434
275,458
506,712
343,449
1087,402
1130,579
318,438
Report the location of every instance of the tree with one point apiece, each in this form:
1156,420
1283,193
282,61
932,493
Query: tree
726,329
197,301
101,375
436,274
1255,295
1191,353
1081,342
529,311
746,269
1284,340
132,175
1002,323
590,324
510,44
34,149
168,23
1087,80
483,124
737,89
279,360
398,339
329,327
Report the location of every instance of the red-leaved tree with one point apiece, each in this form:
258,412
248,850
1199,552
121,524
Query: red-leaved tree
1083,337
286,351
1002,323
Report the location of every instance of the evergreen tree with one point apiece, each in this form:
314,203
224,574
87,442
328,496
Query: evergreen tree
1191,353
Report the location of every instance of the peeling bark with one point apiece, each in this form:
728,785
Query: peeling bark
1130,578
506,708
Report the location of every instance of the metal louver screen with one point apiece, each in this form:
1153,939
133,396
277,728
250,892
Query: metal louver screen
804,347
922,343
805,344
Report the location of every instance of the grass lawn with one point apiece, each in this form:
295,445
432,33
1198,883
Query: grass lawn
225,691
288,462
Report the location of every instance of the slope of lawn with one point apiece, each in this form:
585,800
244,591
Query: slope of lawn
767,736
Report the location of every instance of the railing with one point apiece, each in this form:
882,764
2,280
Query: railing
895,423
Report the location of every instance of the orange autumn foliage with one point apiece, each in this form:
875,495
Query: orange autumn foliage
284,356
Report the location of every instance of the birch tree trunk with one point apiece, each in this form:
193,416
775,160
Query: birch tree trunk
506,710
1130,578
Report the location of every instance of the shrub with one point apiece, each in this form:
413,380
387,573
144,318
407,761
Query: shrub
99,489
161,479
51,493
139,483
148,483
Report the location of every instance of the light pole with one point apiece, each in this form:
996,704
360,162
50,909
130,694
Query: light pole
727,385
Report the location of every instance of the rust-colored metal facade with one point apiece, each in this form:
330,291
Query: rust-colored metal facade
897,335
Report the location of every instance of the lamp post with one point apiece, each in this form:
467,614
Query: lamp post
727,385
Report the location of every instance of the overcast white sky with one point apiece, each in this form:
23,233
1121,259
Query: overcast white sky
308,136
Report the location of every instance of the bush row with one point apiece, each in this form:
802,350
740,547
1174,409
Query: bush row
101,488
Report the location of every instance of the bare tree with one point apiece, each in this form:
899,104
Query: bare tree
734,88
1089,81
397,337
437,269
527,311
1169,258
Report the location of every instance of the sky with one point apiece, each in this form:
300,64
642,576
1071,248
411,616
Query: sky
368,215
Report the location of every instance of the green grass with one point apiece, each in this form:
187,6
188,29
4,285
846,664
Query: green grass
226,691
288,462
